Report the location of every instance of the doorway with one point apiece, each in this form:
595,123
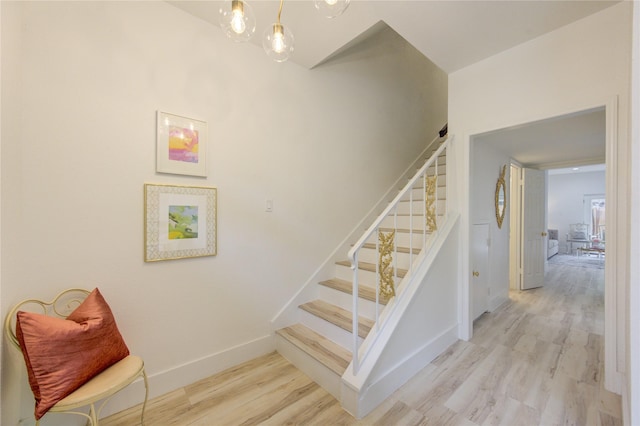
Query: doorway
553,143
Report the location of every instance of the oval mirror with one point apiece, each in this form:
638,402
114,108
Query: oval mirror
501,197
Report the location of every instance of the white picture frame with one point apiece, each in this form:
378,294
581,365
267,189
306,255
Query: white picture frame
181,145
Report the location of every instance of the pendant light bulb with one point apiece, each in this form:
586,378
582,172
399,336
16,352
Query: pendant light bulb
332,8
237,20
278,42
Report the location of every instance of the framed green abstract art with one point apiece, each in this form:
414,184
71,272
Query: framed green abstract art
179,222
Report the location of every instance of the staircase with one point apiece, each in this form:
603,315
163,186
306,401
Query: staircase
321,343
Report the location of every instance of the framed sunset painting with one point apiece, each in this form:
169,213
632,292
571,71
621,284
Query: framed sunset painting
181,145
179,222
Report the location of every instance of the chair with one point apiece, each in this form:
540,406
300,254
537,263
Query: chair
578,233
103,385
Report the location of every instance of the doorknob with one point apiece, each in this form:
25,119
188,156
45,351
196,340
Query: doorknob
476,273
544,234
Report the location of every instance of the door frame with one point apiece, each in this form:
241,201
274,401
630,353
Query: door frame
515,228
617,259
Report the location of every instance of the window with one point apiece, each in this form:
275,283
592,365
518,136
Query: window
595,206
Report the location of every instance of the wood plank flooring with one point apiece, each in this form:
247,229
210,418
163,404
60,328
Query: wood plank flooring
537,360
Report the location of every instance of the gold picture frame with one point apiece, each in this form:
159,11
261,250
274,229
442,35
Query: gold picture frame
179,222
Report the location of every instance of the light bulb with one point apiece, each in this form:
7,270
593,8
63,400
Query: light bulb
277,44
331,8
237,22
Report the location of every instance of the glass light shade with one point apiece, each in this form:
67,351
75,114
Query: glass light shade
278,42
237,20
331,8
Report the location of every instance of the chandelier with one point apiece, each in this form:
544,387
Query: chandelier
239,24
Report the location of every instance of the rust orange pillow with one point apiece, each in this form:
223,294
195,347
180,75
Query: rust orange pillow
62,354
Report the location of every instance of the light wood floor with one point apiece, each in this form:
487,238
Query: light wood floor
537,360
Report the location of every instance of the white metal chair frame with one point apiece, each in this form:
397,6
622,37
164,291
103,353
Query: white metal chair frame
104,385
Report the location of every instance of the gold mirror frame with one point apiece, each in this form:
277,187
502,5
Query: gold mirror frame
501,197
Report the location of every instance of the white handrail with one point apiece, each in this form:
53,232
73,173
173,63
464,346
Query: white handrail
353,253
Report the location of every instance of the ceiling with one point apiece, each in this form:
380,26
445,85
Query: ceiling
565,141
453,34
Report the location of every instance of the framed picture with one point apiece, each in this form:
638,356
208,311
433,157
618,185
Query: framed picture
181,145
179,222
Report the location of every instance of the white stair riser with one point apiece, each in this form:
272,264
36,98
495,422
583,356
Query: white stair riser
418,224
419,192
442,180
404,207
364,277
442,168
371,256
366,308
320,374
367,278
403,238
416,239
416,221
331,331
442,156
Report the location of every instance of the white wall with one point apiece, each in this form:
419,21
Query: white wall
486,165
81,82
630,399
577,67
565,200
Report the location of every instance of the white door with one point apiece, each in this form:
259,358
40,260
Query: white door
480,269
533,220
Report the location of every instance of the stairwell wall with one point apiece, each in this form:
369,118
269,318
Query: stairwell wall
81,83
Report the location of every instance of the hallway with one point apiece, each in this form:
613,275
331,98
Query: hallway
535,361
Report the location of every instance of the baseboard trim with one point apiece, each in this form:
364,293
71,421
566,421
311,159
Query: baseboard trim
174,378
496,302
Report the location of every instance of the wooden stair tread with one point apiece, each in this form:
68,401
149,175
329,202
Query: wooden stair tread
418,199
364,292
419,185
371,267
330,354
338,316
400,249
416,214
404,230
